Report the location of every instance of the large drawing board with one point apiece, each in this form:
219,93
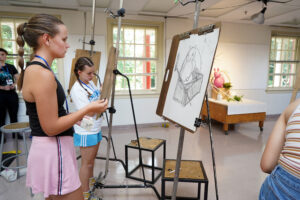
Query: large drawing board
109,75
84,53
187,75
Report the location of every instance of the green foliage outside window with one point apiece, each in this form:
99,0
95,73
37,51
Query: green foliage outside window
283,61
137,57
8,35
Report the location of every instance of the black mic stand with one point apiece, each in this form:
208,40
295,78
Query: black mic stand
99,180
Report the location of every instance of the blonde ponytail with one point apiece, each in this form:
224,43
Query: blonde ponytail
21,43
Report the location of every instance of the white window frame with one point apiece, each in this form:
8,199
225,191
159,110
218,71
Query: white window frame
295,61
159,26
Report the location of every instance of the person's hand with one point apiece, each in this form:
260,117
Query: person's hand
12,87
98,106
78,123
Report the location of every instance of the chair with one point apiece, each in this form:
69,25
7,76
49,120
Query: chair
18,127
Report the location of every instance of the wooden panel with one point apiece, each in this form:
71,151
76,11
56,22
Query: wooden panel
84,53
250,117
168,75
217,111
188,170
109,75
146,143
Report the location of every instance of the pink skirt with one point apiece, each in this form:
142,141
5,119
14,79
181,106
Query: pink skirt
52,166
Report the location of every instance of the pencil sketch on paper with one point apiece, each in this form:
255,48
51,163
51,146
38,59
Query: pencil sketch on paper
190,78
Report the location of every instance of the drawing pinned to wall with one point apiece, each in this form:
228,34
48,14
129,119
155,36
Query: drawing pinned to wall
187,75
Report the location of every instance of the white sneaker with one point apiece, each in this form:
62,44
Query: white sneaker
89,196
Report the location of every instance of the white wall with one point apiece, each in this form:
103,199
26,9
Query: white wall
242,52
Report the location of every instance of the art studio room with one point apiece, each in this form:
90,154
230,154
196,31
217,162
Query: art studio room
149,99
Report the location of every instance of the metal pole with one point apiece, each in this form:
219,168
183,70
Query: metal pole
83,43
196,15
178,161
113,94
181,137
93,26
212,146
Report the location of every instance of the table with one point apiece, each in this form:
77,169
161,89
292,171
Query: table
235,112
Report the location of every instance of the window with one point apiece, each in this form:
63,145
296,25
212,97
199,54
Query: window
8,36
284,57
140,56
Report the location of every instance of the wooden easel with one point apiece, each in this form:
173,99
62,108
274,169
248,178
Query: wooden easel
182,129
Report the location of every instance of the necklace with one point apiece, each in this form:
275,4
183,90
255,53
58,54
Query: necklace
91,88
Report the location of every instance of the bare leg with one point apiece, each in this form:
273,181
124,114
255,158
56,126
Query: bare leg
88,155
75,195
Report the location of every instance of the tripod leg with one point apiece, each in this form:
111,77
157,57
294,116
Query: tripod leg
178,161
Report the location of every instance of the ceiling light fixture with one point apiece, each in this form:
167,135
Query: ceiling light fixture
259,18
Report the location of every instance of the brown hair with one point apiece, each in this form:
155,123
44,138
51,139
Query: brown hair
79,65
30,33
3,50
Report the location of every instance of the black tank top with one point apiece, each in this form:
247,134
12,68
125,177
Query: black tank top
36,129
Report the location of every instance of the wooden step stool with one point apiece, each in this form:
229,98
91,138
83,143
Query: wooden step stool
150,145
190,171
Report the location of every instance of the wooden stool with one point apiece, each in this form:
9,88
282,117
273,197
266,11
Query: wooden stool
150,145
18,127
190,171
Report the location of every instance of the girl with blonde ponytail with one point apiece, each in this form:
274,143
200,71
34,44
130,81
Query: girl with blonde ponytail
56,173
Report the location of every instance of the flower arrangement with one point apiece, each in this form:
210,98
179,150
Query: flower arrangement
235,98
220,87
227,85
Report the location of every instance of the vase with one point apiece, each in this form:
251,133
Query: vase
225,93
214,93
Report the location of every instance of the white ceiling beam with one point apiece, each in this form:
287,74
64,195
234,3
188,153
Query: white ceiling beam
190,8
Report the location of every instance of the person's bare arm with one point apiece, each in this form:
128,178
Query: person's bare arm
44,93
274,145
16,77
276,140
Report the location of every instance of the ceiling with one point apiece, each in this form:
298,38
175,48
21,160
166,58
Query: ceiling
277,14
